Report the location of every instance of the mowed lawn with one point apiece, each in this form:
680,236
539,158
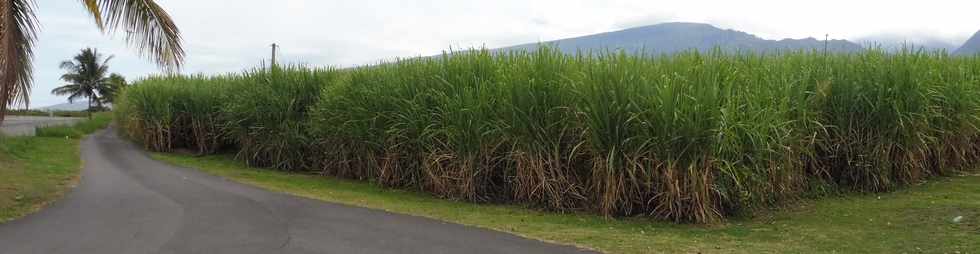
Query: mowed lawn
35,171
939,216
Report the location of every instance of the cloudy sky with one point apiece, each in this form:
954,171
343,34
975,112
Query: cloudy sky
231,35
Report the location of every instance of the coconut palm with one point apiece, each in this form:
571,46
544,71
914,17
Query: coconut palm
114,85
148,27
86,77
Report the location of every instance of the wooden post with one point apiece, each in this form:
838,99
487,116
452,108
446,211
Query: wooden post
274,46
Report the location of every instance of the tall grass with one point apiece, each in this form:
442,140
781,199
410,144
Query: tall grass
693,137
265,114
164,116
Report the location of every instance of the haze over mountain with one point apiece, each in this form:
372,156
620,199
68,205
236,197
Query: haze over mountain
80,105
668,38
898,41
971,47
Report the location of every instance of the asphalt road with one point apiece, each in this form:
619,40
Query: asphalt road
129,203
24,125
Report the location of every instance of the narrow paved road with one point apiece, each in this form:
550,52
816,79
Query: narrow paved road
24,125
129,203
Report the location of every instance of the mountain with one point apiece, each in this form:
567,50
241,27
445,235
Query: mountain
75,106
895,42
668,38
971,47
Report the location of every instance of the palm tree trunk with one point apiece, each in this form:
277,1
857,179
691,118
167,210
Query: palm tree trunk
90,108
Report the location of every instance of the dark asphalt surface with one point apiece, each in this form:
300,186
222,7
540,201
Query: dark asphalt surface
129,203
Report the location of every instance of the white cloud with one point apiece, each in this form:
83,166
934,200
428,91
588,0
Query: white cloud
230,35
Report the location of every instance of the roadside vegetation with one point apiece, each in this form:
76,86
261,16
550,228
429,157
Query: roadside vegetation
77,130
22,112
35,171
694,137
940,216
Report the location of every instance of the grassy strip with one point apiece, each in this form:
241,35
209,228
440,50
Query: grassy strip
34,171
77,130
46,113
914,220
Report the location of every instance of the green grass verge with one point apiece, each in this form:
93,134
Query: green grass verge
919,219
35,171
77,130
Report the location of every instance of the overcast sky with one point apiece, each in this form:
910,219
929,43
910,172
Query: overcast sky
231,35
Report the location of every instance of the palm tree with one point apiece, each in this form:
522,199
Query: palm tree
86,77
114,85
148,27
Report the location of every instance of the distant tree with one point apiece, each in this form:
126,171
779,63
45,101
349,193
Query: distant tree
86,77
115,84
148,27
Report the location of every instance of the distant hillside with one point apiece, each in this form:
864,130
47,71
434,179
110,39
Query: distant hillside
971,47
893,42
670,38
75,106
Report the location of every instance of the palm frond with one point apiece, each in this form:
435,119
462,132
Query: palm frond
93,8
18,32
148,27
106,61
103,69
75,96
67,89
72,77
68,65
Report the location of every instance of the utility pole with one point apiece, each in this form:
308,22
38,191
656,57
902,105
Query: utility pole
826,41
274,47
